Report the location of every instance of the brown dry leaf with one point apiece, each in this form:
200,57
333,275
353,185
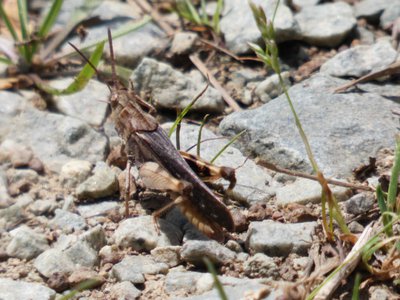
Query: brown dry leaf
8,83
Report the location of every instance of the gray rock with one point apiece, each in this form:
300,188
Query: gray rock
140,234
355,227
97,209
261,265
391,13
75,172
178,280
235,289
282,240
89,105
305,191
101,184
43,207
56,139
183,42
370,9
359,203
27,175
132,268
18,154
361,60
365,35
12,105
26,243
125,291
67,221
172,89
20,290
270,87
68,256
169,255
380,293
194,252
305,3
11,216
326,24
95,237
5,200
108,10
253,182
239,28
330,121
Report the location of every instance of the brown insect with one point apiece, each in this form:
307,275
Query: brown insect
161,167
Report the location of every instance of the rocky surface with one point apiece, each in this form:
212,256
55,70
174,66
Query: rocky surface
61,219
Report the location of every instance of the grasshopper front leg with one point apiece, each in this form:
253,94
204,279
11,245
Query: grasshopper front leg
157,178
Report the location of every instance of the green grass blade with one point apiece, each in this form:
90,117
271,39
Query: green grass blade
227,145
8,23
85,285
217,16
356,288
186,110
392,190
383,208
217,283
50,18
5,60
199,135
83,77
23,20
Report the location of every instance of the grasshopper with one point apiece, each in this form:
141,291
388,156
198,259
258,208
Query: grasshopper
161,167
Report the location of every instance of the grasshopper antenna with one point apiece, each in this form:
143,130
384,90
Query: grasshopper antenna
84,58
113,72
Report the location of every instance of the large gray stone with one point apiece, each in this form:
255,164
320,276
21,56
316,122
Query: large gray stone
124,290
26,243
140,234
361,60
101,184
341,128
371,9
172,89
67,221
391,13
56,139
194,252
326,24
89,105
282,240
20,290
239,28
131,268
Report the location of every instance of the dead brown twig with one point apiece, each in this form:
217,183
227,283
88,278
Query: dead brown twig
203,69
275,168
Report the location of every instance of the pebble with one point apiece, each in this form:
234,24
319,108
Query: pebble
17,153
26,243
360,203
5,200
89,105
178,280
370,9
283,239
101,184
361,60
261,265
390,14
239,28
194,251
271,133
97,209
43,207
183,42
67,221
124,290
326,24
169,255
172,89
303,191
270,88
304,3
74,173
140,234
20,290
133,268
66,257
